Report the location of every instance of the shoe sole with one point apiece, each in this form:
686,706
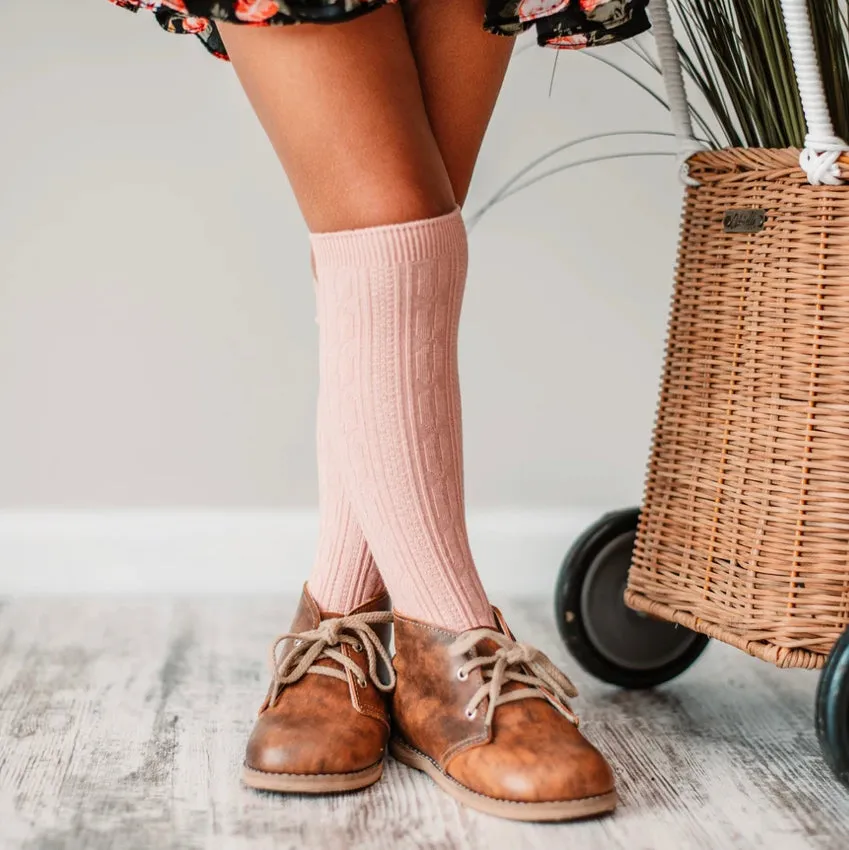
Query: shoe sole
512,810
311,783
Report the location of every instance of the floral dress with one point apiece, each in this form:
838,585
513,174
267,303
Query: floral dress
567,24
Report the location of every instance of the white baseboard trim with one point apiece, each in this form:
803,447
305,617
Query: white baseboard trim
244,551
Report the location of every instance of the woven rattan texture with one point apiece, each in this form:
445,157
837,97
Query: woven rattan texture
744,533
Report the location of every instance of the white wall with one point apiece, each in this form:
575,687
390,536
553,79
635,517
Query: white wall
157,343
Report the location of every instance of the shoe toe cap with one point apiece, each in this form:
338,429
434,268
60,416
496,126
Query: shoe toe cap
289,745
538,759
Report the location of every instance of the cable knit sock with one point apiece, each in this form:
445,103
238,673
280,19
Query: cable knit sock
389,302
344,575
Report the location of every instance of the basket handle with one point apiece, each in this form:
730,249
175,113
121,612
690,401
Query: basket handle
823,148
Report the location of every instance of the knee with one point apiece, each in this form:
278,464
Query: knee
403,205
396,208
370,201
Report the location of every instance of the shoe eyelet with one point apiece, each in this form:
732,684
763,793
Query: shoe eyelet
471,715
462,675
357,647
362,683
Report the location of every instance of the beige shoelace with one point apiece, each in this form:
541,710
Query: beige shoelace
544,680
311,646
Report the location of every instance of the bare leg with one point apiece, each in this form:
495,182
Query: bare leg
461,68
343,109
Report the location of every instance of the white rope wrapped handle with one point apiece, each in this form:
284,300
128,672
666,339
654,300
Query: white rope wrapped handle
676,94
823,147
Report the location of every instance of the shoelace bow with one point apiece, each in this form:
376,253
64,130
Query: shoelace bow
311,646
544,680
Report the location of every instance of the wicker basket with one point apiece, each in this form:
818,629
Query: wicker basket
744,532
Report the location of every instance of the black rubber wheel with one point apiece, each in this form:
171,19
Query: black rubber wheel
833,709
608,639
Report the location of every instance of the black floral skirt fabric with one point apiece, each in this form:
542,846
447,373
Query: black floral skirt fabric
568,24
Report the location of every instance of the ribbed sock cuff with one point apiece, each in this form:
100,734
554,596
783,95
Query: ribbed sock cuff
391,244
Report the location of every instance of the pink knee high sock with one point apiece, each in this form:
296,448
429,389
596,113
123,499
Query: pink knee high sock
344,574
389,303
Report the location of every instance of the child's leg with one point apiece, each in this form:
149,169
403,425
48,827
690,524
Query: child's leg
344,109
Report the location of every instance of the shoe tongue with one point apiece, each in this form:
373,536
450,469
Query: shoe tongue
382,630
322,661
377,603
502,623
307,617
488,646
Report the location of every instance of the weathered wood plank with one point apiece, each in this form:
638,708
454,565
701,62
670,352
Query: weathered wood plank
122,725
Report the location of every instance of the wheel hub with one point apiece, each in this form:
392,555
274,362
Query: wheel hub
623,636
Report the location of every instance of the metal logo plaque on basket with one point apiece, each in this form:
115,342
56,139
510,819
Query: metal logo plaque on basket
744,221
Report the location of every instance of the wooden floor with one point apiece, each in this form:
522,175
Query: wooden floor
122,723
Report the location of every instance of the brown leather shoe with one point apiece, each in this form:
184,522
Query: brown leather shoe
487,719
324,725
